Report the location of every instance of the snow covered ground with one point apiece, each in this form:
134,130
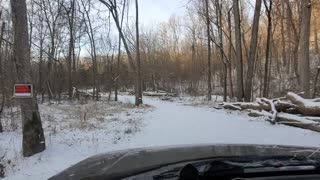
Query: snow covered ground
75,132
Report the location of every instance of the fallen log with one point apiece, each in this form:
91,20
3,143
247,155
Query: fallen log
298,121
280,106
305,106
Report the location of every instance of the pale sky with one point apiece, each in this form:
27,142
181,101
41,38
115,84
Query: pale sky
152,11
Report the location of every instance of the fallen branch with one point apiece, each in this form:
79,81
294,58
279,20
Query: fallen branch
280,106
273,109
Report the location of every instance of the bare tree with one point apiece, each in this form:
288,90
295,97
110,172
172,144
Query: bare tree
269,33
33,137
303,57
252,51
230,53
113,8
90,33
239,60
1,73
222,53
119,53
139,78
52,14
42,33
70,11
292,27
209,49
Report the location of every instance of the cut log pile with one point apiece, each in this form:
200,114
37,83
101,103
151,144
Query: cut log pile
291,110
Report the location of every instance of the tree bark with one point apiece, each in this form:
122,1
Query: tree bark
41,64
239,60
138,86
252,51
315,31
118,70
224,62
33,137
1,74
230,54
315,83
269,33
209,51
303,58
283,39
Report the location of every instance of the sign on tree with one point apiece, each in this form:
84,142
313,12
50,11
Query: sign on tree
23,90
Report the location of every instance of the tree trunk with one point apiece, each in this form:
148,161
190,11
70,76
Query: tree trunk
230,54
303,58
40,68
252,51
289,34
139,73
118,71
209,51
283,39
71,49
315,31
1,74
239,60
315,83
269,33
33,137
224,62
119,55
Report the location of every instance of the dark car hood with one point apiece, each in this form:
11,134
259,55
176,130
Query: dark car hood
120,164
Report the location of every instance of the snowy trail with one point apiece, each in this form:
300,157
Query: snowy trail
172,123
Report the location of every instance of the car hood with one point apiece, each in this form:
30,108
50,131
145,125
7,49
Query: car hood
124,163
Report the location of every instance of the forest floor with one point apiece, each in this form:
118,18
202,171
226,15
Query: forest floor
76,131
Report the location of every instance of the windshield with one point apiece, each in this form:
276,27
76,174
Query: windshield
83,77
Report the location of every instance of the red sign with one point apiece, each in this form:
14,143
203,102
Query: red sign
23,90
